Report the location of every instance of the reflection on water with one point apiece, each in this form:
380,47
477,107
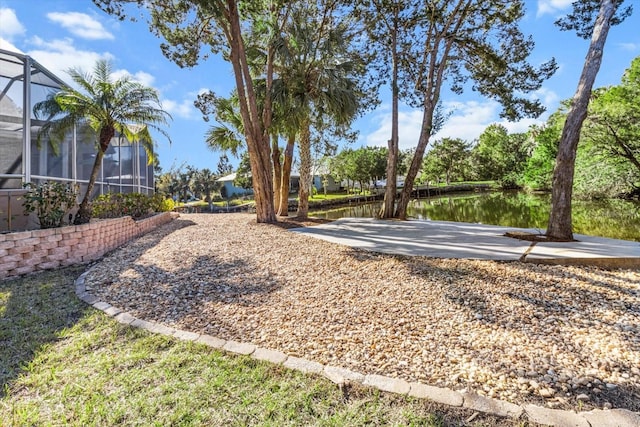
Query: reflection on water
618,219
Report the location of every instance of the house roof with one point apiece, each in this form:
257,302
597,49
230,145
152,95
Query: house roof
227,178
232,176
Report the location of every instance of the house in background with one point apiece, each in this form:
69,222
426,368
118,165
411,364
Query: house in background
229,191
318,182
23,83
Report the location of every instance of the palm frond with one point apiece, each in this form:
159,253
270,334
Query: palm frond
222,138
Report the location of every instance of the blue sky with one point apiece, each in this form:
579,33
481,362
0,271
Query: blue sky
74,33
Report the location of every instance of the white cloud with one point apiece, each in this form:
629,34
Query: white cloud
183,109
549,98
141,77
552,6
10,26
409,122
631,47
467,120
81,25
521,126
60,55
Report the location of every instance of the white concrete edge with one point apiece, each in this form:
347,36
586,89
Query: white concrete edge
339,375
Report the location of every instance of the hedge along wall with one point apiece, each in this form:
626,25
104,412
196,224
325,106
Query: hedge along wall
28,251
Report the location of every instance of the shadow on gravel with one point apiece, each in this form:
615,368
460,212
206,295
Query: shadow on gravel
210,279
551,307
152,238
183,293
33,311
562,311
207,284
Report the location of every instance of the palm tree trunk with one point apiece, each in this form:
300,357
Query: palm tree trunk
84,213
305,171
560,224
283,209
277,170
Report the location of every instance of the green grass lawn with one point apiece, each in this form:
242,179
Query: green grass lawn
65,363
493,184
330,196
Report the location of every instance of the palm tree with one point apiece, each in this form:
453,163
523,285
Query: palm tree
228,134
318,75
204,184
110,108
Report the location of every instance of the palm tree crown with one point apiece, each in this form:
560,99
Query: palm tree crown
317,79
109,107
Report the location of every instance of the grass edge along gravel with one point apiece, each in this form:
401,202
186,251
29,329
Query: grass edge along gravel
64,363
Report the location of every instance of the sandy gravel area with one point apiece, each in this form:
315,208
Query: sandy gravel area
566,337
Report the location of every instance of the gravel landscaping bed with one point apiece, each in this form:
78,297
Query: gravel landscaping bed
565,337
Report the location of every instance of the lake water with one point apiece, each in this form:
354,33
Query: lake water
618,219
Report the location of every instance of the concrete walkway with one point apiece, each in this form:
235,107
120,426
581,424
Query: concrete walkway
443,239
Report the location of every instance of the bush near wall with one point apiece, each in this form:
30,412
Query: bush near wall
28,251
115,205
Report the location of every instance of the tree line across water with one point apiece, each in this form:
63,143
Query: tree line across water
607,161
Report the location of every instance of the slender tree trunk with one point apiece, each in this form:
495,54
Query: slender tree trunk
84,213
560,224
283,210
305,171
256,133
391,190
437,66
423,141
277,170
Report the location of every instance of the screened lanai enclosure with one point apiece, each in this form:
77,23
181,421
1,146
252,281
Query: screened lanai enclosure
23,83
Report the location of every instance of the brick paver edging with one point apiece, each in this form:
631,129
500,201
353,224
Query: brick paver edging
338,375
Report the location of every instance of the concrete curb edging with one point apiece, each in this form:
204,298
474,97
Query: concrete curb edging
339,375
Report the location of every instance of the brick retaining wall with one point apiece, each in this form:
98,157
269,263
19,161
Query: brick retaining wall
28,251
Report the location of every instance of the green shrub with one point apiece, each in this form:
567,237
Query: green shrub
160,203
167,205
107,206
510,181
115,205
50,200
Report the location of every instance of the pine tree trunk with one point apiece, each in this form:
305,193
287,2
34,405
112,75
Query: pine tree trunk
560,223
425,133
283,209
305,171
391,190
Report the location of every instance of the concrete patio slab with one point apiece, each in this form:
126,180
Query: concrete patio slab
444,239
